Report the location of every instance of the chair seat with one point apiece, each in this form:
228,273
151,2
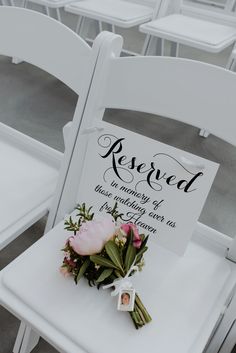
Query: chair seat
29,173
52,3
117,12
184,295
191,31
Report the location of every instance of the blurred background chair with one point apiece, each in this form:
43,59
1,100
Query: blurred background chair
110,14
211,31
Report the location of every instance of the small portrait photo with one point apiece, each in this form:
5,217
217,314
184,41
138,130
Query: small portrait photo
126,300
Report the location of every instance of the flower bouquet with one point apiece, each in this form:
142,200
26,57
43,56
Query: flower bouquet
107,254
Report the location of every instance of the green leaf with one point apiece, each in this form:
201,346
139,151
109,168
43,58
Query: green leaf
82,270
144,242
141,251
130,256
113,252
140,254
131,237
106,273
102,261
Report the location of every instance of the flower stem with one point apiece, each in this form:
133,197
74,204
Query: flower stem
142,308
139,315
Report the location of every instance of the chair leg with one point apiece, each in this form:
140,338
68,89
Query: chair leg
204,133
99,26
58,14
30,340
174,49
231,63
146,45
79,25
84,28
19,338
47,11
153,46
16,61
26,339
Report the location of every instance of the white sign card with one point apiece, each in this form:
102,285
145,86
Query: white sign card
159,188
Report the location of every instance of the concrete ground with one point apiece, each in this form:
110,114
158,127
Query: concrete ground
39,105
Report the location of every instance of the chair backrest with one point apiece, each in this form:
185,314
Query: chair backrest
46,43
224,16
192,92
53,47
229,5
166,7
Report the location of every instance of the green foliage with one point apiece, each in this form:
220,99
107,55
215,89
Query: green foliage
114,254
82,270
114,212
105,274
130,256
84,213
102,261
72,226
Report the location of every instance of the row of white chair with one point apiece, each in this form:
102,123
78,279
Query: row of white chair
173,20
103,80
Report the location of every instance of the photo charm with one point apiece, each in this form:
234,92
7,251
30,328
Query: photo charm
126,299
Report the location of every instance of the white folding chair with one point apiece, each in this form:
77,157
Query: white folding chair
30,169
120,13
195,296
211,32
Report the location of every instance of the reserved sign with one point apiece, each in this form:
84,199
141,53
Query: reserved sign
159,188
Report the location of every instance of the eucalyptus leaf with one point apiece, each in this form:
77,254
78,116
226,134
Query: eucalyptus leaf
82,270
102,261
113,252
105,274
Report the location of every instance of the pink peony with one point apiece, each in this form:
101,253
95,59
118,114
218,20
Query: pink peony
92,236
126,228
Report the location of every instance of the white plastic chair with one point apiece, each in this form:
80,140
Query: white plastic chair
195,290
30,169
213,32
120,13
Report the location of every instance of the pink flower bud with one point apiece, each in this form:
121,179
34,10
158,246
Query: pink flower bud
126,228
